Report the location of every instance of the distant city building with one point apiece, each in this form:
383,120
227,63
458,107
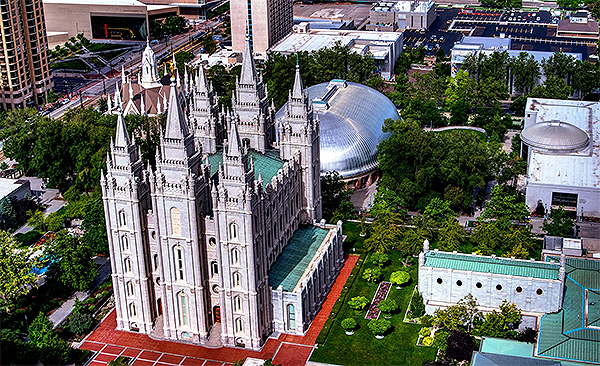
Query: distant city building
535,287
222,243
349,135
267,21
578,25
470,45
109,19
390,16
560,143
24,70
384,47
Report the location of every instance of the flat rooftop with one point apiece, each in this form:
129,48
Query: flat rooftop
296,257
496,265
7,186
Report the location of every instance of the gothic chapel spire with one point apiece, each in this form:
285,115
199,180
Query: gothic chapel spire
248,74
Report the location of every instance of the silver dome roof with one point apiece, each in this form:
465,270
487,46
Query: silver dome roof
351,118
555,137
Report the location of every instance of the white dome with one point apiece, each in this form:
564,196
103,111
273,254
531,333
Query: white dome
555,137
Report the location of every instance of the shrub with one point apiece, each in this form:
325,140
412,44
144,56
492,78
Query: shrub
81,323
427,341
349,324
425,331
380,259
400,278
28,238
372,275
379,326
417,308
120,361
440,340
427,320
91,309
388,306
358,303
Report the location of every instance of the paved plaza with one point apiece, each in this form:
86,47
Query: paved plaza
286,350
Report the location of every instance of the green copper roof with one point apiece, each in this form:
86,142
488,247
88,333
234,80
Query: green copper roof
268,164
497,265
295,258
565,335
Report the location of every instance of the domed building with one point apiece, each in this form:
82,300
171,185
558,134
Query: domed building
560,144
351,118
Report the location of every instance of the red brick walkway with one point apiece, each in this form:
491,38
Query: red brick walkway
287,350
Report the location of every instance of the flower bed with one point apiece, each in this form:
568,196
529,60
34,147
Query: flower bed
44,239
408,316
381,294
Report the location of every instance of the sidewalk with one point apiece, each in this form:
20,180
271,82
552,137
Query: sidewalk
59,315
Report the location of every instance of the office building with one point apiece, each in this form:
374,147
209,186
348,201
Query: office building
24,67
267,21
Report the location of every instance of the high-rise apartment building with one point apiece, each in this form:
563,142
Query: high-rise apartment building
267,22
24,70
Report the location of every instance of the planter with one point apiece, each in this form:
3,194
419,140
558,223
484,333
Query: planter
388,316
398,287
379,336
362,235
349,332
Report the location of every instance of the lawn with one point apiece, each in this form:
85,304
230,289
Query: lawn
398,347
111,55
70,65
97,47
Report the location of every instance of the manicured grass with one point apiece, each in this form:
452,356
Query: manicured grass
398,347
97,62
97,47
70,65
111,55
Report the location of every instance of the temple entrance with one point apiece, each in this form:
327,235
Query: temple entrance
159,306
217,314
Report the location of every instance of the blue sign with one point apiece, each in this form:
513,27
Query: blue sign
217,38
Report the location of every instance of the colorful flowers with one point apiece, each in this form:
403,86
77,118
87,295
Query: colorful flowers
380,295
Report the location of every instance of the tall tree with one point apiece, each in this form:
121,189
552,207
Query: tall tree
525,72
559,223
505,206
585,77
335,197
72,262
386,233
17,267
94,226
559,64
451,235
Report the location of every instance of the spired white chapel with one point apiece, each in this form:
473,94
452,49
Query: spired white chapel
222,243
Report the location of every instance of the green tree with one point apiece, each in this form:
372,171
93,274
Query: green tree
505,206
181,58
372,274
501,324
459,112
385,234
72,262
209,45
173,25
41,329
16,275
349,324
417,307
559,64
37,220
559,223
358,303
379,326
335,197
438,211
460,346
81,323
387,306
585,77
380,259
14,351
94,225
461,316
412,242
451,235
487,236
525,72
400,278
54,221
7,213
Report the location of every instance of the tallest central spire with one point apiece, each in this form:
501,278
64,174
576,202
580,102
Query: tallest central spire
248,74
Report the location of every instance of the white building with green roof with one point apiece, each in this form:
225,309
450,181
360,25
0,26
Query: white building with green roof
535,287
222,243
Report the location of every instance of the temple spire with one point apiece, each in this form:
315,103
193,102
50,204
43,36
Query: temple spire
248,74
123,81
202,83
176,126
235,146
122,137
298,87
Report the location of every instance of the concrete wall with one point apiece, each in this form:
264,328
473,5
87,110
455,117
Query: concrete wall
588,199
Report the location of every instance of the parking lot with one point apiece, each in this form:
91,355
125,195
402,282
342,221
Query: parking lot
527,30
